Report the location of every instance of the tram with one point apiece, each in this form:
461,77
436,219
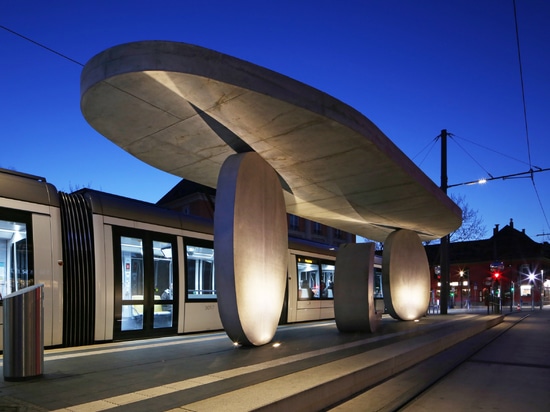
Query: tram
115,268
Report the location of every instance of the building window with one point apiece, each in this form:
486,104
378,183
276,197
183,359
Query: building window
317,228
294,222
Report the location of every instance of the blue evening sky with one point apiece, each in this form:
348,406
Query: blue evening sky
413,67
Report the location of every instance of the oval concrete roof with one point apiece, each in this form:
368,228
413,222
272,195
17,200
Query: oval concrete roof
184,109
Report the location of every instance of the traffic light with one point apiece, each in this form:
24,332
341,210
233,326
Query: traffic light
496,283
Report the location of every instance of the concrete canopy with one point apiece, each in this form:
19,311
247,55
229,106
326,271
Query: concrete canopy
185,109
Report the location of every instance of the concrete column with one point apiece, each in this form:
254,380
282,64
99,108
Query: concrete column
405,276
354,307
250,248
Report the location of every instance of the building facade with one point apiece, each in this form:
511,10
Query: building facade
198,200
509,268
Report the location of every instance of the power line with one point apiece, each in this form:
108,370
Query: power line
540,202
41,45
525,115
471,157
432,143
491,150
522,85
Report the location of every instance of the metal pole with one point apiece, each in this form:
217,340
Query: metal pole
541,289
512,301
444,239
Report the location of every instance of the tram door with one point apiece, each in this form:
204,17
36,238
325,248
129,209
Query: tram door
145,288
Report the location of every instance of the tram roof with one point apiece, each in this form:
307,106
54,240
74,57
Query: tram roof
26,187
108,204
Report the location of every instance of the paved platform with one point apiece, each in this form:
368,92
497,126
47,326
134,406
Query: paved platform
505,368
313,367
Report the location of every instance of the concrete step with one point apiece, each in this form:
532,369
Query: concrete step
326,384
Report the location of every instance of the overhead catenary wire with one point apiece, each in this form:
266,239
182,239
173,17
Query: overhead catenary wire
522,85
471,157
525,115
429,148
492,150
41,45
532,169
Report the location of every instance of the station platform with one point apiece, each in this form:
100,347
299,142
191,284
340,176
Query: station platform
309,367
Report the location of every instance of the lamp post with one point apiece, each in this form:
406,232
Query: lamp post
512,292
444,247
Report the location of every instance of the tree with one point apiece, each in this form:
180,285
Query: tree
472,224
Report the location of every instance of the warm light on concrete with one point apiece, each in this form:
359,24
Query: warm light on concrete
405,276
250,244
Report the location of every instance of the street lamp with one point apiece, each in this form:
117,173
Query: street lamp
461,281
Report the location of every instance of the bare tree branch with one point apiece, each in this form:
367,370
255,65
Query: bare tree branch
472,224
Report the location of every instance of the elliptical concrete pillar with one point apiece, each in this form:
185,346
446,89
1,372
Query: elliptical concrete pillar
250,248
405,276
354,307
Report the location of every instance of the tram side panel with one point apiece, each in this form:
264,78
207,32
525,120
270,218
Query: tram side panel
197,309
104,270
43,239
310,286
48,262
292,296
198,291
181,275
310,282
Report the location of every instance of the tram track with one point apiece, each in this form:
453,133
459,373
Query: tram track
401,391
498,331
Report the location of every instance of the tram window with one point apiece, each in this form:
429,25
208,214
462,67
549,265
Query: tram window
378,292
132,317
315,279
327,281
164,293
15,252
146,290
201,283
132,268
308,278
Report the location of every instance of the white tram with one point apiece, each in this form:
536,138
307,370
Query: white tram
114,268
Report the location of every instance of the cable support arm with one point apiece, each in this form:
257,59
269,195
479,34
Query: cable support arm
529,173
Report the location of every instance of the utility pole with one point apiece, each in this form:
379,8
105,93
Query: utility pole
444,249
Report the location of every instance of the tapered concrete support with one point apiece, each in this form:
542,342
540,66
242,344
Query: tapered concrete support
405,276
250,248
354,307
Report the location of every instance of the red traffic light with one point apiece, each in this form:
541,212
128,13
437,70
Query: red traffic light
496,275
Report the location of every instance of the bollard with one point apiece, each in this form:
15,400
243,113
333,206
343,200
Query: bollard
24,333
